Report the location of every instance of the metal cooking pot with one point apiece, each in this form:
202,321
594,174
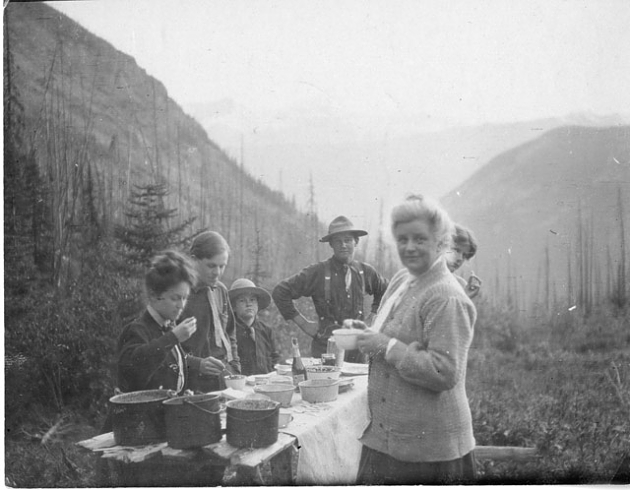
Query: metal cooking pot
138,417
252,422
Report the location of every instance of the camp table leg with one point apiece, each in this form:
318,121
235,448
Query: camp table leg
281,467
109,473
246,476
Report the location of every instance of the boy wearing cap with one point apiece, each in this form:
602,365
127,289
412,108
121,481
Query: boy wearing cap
337,287
256,345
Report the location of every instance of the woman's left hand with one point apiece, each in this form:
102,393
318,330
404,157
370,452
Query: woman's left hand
371,342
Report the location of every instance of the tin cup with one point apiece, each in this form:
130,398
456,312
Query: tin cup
329,359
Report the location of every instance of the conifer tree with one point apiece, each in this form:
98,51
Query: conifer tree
147,228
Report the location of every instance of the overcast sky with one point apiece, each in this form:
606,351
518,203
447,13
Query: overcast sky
430,62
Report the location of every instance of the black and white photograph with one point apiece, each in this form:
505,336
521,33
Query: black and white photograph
316,242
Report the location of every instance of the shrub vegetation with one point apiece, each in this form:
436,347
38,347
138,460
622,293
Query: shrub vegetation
529,386
562,386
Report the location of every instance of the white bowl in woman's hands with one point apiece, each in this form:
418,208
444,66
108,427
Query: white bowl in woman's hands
346,338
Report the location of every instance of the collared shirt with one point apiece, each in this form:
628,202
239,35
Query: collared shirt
159,319
258,355
310,282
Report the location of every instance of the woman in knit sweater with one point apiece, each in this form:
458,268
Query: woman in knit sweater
421,427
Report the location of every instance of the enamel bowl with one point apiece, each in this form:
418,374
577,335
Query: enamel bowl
346,338
323,372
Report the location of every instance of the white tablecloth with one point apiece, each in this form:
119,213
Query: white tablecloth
327,433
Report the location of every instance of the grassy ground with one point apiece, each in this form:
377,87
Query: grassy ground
573,407
55,462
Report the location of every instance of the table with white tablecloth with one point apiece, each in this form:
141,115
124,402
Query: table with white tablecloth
327,436
324,434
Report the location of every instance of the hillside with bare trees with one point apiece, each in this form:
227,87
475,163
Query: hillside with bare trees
552,218
88,109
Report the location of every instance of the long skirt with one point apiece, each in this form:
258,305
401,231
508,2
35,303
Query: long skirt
376,468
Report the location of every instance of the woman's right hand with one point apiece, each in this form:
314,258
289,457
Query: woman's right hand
372,343
185,329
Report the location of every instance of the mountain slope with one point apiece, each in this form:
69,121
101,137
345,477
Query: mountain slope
87,104
535,196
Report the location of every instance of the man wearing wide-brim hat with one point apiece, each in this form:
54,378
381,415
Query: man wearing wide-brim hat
337,287
256,344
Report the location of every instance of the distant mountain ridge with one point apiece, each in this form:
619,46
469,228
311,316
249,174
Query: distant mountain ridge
404,160
532,197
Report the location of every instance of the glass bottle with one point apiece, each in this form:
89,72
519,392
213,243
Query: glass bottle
297,368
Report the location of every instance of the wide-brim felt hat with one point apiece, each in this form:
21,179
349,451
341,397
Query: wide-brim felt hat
341,224
244,286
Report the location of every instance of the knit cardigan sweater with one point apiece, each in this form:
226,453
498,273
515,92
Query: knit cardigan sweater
416,393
